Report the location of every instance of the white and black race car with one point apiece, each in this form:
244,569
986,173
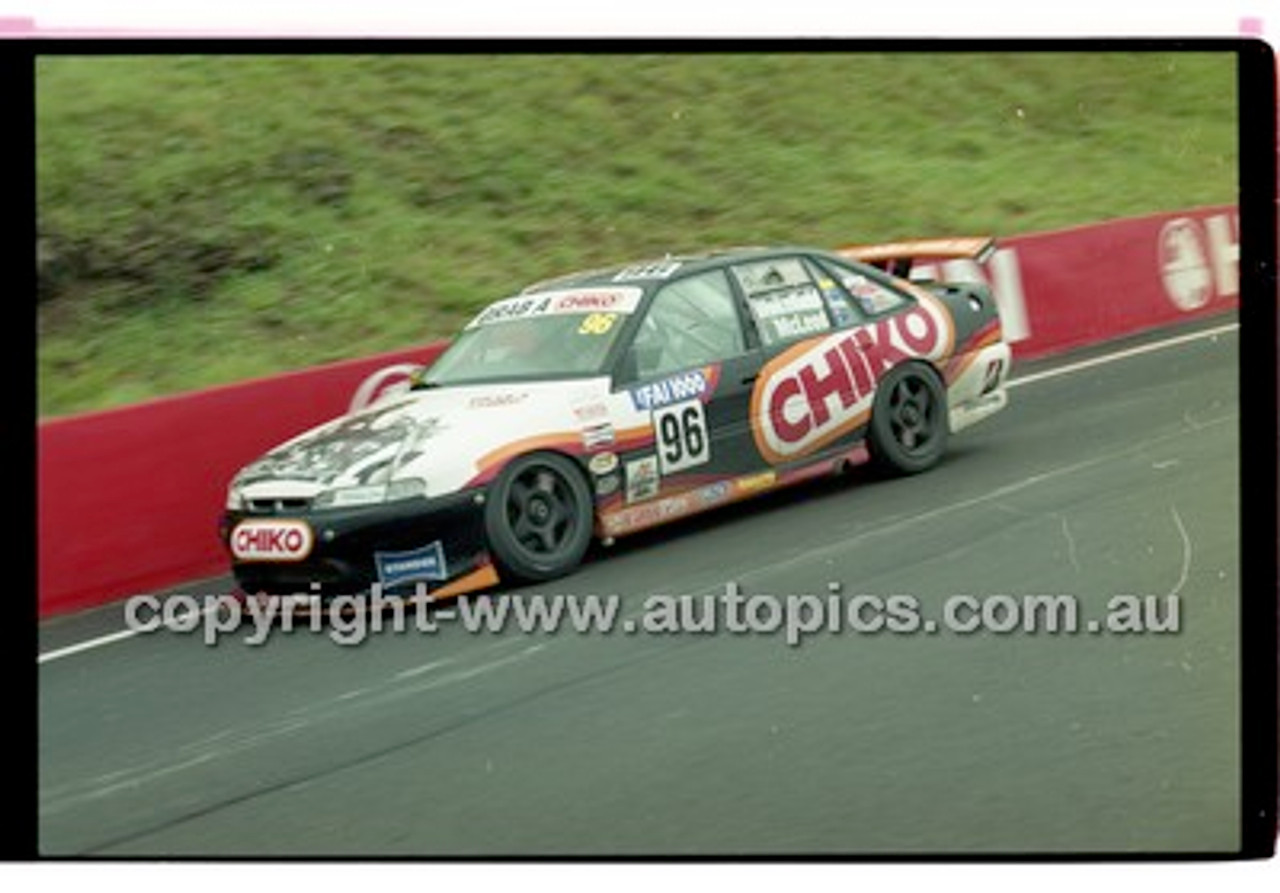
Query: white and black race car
606,402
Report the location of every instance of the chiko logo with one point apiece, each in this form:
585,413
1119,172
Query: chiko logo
819,390
606,299
271,540
622,300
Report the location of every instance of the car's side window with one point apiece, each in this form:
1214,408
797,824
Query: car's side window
844,311
784,300
689,322
874,298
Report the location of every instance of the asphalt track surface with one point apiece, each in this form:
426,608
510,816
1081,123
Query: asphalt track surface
1115,478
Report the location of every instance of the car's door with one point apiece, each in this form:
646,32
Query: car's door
810,397
691,367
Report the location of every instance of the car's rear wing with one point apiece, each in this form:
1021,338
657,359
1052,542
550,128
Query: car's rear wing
898,257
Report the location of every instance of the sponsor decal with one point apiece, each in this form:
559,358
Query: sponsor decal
608,484
412,566
766,275
596,436
591,412
496,401
615,300
649,514
657,270
577,300
753,483
271,540
871,296
713,493
642,478
837,303
696,383
603,463
822,389
667,508
511,308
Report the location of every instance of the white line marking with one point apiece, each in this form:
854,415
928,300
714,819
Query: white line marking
109,638
85,646
1121,355
424,668
1025,379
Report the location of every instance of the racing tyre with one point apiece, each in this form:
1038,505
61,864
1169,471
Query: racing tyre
538,517
909,423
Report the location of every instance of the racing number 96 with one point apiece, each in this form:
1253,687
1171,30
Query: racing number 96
597,323
682,435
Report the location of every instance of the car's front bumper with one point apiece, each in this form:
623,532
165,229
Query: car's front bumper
352,549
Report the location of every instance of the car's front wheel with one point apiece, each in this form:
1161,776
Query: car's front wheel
909,424
538,517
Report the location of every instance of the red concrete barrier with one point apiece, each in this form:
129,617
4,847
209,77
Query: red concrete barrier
129,498
1065,289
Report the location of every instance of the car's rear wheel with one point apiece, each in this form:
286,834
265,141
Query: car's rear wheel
909,424
538,517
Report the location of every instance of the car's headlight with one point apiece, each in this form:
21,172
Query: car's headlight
235,502
345,497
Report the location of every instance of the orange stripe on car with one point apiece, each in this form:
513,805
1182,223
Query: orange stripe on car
488,465
480,578
960,363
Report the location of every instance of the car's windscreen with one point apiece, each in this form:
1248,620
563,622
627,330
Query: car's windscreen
553,334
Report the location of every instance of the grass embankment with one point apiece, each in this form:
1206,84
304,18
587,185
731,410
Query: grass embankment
207,219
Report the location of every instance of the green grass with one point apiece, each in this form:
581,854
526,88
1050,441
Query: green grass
205,219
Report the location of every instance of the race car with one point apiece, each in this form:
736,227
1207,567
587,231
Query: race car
602,403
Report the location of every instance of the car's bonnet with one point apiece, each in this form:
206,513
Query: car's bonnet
440,434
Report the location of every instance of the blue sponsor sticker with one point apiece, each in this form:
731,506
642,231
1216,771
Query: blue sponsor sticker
397,568
713,493
696,383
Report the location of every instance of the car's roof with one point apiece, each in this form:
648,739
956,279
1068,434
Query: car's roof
657,270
